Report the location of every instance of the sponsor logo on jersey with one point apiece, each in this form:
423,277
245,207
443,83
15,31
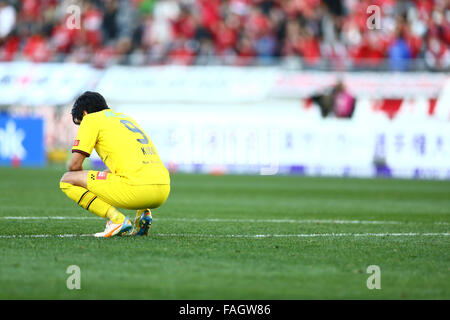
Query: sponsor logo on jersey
102,175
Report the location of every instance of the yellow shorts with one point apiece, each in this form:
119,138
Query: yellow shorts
116,191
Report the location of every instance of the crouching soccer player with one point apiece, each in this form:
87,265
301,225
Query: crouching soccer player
136,179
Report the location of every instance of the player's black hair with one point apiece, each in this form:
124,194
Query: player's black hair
90,102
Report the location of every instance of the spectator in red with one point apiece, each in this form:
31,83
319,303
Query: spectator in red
10,48
30,10
37,48
291,45
224,37
309,48
181,52
437,54
245,51
313,30
92,23
370,52
209,12
63,38
185,25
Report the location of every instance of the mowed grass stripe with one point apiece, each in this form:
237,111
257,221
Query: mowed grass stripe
249,236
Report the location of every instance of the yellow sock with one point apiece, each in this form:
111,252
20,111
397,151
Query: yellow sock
115,215
86,199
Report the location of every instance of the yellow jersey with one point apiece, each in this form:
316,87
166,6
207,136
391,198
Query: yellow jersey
123,146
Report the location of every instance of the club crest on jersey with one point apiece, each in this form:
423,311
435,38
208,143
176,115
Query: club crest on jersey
76,143
102,175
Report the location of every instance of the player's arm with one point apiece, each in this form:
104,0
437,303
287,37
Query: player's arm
76,162
82,148
84,143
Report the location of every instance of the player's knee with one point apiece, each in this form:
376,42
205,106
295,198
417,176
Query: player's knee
77,178
65,180
64,186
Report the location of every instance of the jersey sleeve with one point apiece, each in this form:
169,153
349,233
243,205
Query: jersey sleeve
86,137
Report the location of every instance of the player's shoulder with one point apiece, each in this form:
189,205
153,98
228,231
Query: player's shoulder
111,114
94,116
104,115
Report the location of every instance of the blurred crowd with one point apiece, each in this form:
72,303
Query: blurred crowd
317,33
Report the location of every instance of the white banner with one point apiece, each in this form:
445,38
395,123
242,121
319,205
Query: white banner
298,84
249,142
220,84
419,149
186,84
44,84
59,83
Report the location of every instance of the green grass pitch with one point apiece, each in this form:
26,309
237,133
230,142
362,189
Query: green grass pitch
232,237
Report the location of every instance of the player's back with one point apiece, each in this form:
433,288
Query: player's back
125,149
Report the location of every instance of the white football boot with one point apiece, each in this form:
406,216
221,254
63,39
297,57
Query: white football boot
115,229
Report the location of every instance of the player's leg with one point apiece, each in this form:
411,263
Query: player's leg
142,222
143,219
122,193
74,185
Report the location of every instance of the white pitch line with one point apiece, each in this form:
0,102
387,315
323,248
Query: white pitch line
49,218
248,236
294,221
282,221
304,235
11,236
